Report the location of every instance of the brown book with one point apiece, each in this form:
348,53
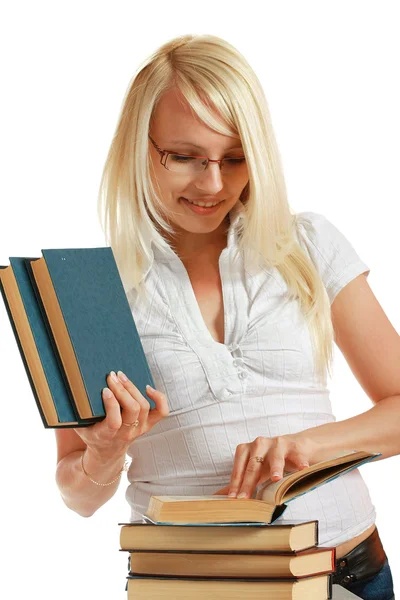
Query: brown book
219,538
270,501
315,561
309,588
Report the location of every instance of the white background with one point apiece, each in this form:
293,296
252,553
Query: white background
330,74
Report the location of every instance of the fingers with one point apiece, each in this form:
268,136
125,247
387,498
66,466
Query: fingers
112,422
276,459
161,410
278,453
128,400
284,451
247,470
242,455
134,406
223,491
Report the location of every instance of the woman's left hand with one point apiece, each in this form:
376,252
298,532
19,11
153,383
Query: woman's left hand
289,453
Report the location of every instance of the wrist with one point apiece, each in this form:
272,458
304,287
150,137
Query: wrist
321,443
101,469
104,460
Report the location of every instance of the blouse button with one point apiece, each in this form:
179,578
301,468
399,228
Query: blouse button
237,361
225,394
243,374
233,347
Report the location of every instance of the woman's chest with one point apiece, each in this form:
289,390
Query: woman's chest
208,292
217,338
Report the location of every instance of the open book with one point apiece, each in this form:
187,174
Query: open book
269,503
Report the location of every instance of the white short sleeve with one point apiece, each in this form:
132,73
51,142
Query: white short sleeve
334,257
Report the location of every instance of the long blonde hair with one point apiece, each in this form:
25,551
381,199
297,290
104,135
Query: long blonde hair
208,67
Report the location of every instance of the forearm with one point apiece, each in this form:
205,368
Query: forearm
376,430
77,491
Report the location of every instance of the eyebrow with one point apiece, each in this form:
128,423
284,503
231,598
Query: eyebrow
185,143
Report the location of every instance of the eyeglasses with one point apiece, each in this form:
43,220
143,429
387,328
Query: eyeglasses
186,164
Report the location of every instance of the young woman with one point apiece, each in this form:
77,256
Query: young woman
237,301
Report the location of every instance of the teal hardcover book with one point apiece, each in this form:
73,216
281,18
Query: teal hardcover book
58,392
82,327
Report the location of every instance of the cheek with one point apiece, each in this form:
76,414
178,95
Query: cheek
238,185
163,181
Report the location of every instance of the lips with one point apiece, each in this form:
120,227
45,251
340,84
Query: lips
212,201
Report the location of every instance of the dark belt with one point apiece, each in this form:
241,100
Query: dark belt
363,562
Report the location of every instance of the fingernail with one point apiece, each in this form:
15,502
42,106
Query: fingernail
242,495
122,376
107,393
148,387
232,494
114,377
276,474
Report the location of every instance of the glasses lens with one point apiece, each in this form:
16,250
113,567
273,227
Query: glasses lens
186,165
190,165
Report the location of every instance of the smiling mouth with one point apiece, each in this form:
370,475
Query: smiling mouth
202,204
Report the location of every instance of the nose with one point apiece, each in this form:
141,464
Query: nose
210,180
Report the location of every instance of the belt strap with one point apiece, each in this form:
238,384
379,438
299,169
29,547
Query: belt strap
363,562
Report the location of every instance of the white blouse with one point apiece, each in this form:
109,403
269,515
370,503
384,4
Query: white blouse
260,382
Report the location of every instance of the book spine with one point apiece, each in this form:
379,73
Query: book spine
61,425
80,422
278,512
21,351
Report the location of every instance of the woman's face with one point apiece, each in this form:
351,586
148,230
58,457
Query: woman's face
174,120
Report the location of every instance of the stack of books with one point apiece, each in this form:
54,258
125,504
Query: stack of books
226,561
73,325
209,547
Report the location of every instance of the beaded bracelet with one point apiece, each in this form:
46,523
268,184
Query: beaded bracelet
124,468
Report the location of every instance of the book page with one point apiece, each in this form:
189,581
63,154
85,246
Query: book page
267,491
192,498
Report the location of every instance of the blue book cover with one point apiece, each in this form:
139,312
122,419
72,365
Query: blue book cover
147,521
55,378
99,325
94,308
42,368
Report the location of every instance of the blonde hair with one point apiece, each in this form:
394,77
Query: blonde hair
214,78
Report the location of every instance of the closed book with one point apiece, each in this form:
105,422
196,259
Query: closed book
76,309
241,537
46,378
140,587
314,561
270,501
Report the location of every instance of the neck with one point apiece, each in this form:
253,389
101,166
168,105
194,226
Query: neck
190,246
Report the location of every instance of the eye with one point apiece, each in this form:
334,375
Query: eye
181,158
235,160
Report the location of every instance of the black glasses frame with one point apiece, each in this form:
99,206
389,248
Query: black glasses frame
165,153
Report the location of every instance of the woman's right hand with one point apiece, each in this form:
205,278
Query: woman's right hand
110,439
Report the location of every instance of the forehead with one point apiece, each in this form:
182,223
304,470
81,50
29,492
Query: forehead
174,118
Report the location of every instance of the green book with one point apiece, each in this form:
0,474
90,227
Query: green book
73,325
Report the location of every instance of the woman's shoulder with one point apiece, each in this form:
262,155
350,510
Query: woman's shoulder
334,256
321,234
